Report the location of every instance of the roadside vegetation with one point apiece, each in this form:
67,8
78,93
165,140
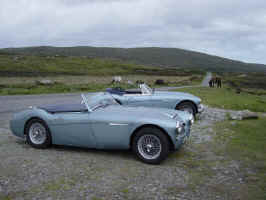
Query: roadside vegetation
252,83
70,84
239,146
228,98
18,66
244,141
20,74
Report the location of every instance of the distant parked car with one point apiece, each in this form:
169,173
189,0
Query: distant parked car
148,97
102,123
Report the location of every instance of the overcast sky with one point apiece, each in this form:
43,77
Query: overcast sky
230,28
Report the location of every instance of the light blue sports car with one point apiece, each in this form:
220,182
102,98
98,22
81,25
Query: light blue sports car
150,98
102,123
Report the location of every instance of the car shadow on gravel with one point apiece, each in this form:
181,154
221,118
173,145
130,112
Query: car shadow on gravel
124,153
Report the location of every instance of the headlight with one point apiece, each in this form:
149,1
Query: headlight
200,108
191,118
179,126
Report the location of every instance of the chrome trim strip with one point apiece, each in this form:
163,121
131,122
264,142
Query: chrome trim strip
116,124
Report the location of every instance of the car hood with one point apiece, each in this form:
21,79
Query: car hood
177,94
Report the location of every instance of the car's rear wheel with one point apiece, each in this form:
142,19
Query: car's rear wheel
188,107
38,134
151,145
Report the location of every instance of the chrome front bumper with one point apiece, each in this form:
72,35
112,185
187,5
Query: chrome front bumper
200,108
183,136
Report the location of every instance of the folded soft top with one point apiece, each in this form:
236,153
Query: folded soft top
120,91
64,108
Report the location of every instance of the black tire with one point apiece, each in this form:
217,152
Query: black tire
47,141
158,135
187,106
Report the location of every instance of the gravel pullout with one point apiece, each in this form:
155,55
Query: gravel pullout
193,172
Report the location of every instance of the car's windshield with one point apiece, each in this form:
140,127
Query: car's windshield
99,100
145,89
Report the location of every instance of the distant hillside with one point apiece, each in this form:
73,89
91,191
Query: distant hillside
169,57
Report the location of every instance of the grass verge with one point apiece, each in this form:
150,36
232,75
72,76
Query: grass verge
245,142
227,98
27,89
70,84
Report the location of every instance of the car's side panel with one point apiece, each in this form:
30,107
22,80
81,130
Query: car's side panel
139,100
110,132
114,125
72,129
159,102
19,120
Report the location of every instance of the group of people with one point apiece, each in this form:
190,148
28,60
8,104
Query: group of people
217,81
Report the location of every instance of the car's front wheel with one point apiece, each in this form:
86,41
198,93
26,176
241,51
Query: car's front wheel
37,134
151,145
188,107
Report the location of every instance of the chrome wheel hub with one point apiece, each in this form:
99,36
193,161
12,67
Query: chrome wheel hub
37,133
149,146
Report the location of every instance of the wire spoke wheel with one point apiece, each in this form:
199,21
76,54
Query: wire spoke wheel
37,133
149,146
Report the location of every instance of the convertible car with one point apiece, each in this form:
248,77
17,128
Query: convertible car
102,123
148,97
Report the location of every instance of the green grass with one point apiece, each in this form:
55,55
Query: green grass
14,69
52,66
253,83
178,58
27,89
247,145
227,98
70,84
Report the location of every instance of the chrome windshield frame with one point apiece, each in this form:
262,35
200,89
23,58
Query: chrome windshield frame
145,89
102,102
84,99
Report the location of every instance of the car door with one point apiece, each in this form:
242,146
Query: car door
162,102
139,100
111,129
73,128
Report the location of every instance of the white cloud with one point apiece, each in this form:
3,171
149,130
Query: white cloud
234,29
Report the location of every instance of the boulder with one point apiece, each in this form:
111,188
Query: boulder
242,75
242,115
159,82
44,82
130,82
